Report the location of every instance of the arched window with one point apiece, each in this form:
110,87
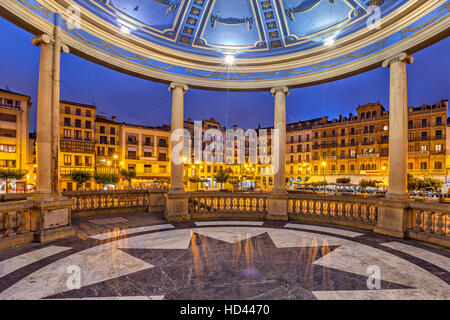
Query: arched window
374,114
363,116
374,167
352,167
352,142
366,129
438,165
342,167
362,167
368,115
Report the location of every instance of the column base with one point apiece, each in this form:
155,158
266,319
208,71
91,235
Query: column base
51,219
278,206
177,206
394,218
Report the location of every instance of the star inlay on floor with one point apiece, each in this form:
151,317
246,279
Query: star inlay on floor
217,260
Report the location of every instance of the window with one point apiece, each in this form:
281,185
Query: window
78,123
147,168
385,139
132,139
342,132
7,148
333,168
438,134
67,160
8,163
438,121
352,153
103,139
112,130
438,148
67,122
87,136
88,113
67,133
67,110
78,162
162,169
363,167
342,154
111,151
424,135
87,161
102,129
437,165
112,140
132,154
88,124
78,112
424,148
299,148
410,124
77,134
352,167
131,167
162,156
410,166
342,167
352,131
424,123
423,166
163,143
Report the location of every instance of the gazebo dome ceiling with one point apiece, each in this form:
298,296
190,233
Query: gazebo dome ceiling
247,28
237,44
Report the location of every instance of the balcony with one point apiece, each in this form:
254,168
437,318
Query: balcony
419,153
77,146
368,155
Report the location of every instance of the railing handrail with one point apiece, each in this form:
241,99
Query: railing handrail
228,194
341,198
107,192
430,206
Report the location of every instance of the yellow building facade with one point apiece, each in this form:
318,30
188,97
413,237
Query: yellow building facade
14,134
107,145
77,144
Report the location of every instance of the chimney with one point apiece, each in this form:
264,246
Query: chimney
113,118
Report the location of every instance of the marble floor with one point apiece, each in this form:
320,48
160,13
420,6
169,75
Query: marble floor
141,256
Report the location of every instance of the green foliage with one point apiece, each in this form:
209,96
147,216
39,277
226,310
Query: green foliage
425,184
80,177
306,179
319,183
128,174
11,174
221,177
368,183
106,178
234,180
343,180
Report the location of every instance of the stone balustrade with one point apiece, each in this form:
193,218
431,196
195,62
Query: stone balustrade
222,204
344,208
15,218
430,221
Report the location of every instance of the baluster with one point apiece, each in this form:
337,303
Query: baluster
322,209
77,203
359,211
429,222
440,224
307,207
351,211
367,210
328,208
336,209
265,205
418,225
8,224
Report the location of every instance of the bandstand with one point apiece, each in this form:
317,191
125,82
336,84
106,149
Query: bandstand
236,45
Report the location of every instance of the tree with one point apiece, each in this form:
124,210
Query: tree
196,181
424,185
106,178
128,175
221,177
80,177
11,174
234,180
343,180
364,184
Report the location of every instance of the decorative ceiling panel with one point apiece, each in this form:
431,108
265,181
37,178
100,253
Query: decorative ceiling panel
250,28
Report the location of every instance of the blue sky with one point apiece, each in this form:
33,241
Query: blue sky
140,101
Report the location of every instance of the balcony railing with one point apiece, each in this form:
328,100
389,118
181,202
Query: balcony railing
430,219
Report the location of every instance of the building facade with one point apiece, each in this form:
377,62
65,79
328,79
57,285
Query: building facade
14,134
77,144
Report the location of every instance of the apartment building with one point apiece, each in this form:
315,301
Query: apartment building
146,150
77,144
107,145
14,131
357,146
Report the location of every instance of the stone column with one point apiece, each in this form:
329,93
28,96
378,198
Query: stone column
44,118
57,48
394,218
398,125
279,197
177,198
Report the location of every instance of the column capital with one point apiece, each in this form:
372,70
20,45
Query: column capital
65,48
175,85
285,90
43,39
398,57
